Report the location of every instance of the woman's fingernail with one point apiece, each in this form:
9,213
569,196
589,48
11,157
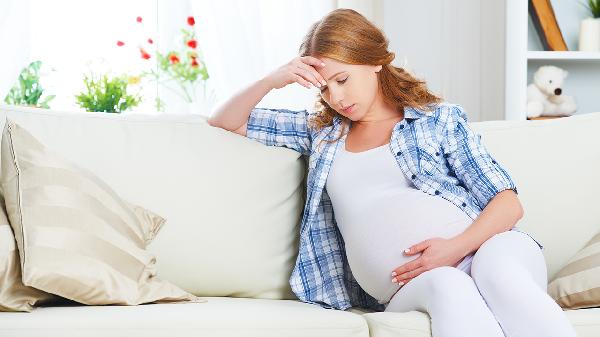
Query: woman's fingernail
394,273
407,250
401,283
394,280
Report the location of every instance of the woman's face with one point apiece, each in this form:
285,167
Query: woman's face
349,85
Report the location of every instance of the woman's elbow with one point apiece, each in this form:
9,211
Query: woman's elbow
519,207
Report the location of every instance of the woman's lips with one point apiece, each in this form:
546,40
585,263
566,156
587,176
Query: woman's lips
348,109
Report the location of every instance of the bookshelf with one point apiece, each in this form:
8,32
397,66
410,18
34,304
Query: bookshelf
524,54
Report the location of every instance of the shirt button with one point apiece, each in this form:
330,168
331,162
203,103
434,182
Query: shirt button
399,153
493,162
401,126
437,192
413,176
446,155
464,204
437,153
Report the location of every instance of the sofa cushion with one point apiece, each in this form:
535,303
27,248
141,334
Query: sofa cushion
233,205
555,163
417,324
14,295
76,237
577,285
220,316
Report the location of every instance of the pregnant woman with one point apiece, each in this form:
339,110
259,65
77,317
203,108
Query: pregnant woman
405,208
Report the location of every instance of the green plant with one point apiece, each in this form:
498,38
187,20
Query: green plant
28,89
106,94
593,6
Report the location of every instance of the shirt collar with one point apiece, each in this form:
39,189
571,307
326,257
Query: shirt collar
409,113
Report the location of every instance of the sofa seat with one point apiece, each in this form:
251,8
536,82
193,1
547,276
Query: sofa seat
219,317
417,324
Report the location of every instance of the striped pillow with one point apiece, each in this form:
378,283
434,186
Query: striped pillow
14,295
76,237
577,285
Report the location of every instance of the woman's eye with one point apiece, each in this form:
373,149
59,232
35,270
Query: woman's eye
340,82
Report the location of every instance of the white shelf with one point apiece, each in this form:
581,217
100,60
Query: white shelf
524,55
563,55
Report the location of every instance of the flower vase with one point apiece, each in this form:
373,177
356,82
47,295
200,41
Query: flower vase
589,34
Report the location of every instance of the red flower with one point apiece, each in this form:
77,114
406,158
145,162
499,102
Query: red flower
138,19
120,43
150,41
194,63
192,44
145,54
191,21
173,59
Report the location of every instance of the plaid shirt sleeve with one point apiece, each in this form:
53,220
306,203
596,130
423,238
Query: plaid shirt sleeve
481,174
280,127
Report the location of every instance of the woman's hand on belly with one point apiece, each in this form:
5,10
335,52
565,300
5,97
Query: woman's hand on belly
435,252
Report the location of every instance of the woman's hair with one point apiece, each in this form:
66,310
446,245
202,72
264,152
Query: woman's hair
346,36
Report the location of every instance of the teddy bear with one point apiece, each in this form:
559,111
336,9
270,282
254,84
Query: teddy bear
544,95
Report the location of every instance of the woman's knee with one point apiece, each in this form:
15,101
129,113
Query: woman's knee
447,284
506,257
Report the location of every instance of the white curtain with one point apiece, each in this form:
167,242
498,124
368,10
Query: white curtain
241,41
245,40
14,39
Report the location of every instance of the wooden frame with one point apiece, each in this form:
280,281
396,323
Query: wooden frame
546,25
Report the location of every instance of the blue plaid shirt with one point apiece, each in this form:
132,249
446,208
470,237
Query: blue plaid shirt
437,150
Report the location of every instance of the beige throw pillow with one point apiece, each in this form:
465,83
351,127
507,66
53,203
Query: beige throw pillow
76,237
577,285
14,295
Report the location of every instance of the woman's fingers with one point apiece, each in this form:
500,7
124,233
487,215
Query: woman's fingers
313,61
316,77
309,75
302,81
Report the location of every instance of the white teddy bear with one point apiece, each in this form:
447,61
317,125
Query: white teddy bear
544,95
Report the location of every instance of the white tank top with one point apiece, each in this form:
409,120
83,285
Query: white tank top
379,213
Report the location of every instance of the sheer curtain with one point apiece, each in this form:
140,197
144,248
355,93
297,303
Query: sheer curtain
240,41
14,39
245,40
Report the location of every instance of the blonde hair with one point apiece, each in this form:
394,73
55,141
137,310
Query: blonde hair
347,36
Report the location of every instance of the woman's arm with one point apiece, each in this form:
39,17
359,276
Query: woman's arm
500,215
234,113
483,177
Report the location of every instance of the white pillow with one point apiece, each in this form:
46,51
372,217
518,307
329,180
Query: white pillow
76,237
14,295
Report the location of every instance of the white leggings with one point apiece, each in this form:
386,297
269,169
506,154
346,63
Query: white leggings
503,294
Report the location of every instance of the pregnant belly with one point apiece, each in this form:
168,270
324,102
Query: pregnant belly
374,251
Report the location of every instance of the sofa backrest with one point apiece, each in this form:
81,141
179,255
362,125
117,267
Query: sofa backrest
555,164
233,205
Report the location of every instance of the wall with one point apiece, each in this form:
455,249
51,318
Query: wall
456,46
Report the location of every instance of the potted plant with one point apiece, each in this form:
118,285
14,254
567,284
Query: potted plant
28,90
105,94
589,29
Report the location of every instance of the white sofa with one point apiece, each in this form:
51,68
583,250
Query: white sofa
233,208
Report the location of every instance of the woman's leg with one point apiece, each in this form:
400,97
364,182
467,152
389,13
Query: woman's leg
510,273
452,301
